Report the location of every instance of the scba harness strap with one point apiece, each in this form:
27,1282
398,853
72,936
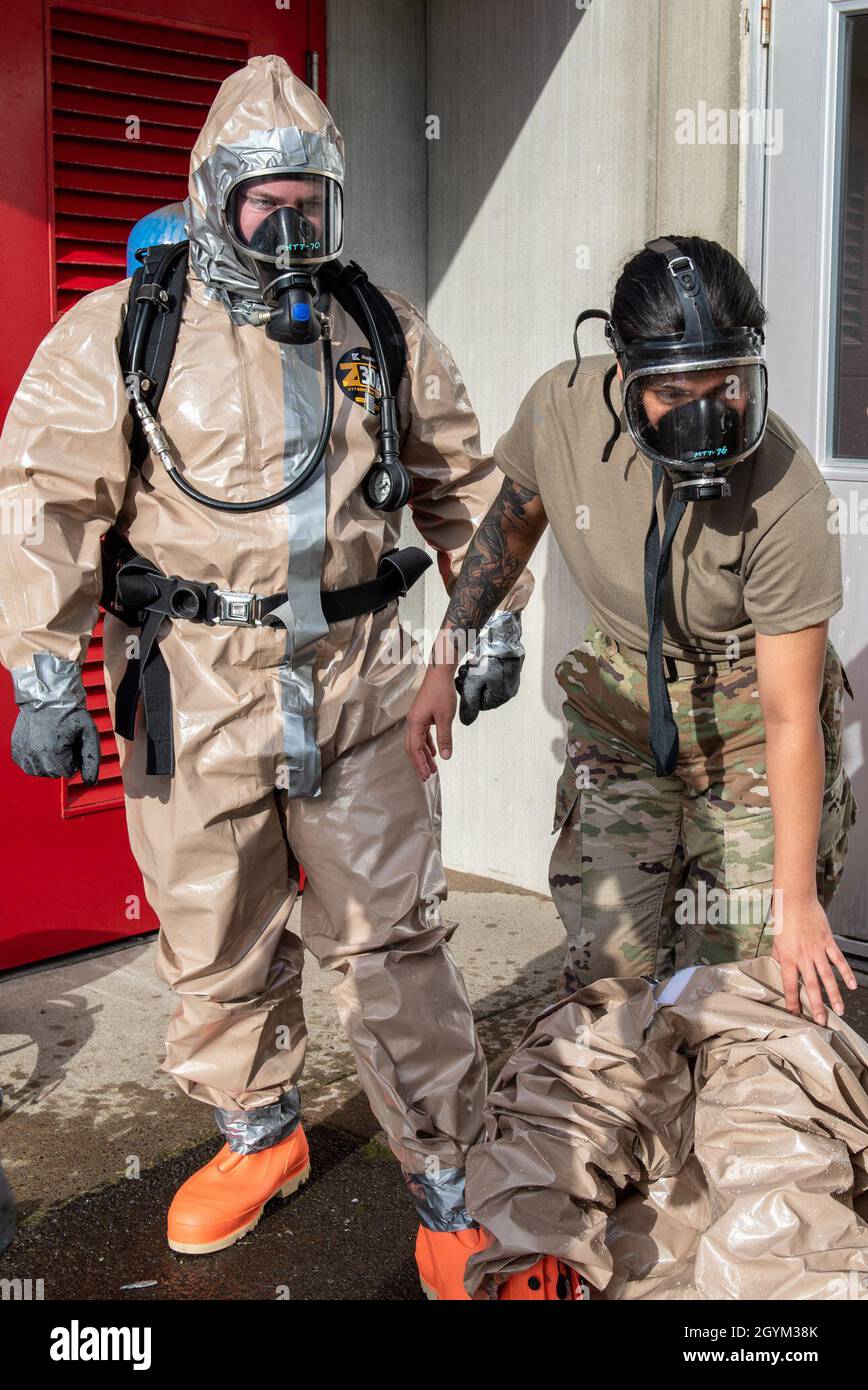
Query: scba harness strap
138,593
134,589
160,282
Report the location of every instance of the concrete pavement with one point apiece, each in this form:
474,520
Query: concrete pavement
81,1043
96,1140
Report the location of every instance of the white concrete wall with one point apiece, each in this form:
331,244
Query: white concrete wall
376,93
556,158
557,134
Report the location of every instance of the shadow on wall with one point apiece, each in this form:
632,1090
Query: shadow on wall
378,81
496,30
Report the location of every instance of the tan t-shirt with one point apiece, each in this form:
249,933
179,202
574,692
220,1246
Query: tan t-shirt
765,559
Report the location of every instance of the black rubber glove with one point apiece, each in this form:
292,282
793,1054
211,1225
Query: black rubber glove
56,742
485,683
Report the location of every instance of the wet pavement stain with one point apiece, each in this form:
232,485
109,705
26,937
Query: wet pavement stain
348,1234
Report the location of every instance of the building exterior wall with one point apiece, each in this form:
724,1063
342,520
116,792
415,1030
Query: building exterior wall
376,93
557,156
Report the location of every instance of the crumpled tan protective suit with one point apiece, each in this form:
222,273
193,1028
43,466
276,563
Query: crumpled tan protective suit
706,1145
273,746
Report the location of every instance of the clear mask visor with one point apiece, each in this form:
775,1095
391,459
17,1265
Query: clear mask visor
698,417
287,220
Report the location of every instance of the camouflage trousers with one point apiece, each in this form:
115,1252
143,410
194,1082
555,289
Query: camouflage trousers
649,873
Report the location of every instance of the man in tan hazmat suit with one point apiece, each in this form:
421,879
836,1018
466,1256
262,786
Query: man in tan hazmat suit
285,738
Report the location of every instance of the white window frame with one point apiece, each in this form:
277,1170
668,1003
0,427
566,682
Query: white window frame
839,11
801,289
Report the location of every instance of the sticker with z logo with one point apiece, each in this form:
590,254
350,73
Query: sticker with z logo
359,379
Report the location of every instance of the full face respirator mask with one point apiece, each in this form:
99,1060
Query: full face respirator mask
695,402
285,226
696,405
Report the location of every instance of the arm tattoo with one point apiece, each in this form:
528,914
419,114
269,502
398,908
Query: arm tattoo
490,567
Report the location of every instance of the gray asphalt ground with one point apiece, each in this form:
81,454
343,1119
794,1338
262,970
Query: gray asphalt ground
96,1140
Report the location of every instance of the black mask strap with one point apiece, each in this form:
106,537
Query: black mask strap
607,397
607,380
664,732
583,317
690,291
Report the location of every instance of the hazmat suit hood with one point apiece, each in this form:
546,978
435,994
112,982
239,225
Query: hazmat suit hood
263,120
273,731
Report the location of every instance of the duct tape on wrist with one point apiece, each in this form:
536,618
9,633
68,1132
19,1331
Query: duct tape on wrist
501,636
50,683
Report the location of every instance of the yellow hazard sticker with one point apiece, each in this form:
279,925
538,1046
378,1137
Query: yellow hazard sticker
359,379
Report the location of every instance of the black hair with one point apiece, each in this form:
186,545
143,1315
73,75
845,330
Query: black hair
645,304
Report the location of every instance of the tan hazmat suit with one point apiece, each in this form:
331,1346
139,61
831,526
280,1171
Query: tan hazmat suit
282,754
696,1141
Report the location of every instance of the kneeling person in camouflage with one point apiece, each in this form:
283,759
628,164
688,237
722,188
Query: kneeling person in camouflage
703,811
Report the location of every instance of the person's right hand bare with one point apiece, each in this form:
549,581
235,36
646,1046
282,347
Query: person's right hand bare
435,705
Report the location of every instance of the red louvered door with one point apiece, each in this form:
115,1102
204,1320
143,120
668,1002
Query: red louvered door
78,81
126,107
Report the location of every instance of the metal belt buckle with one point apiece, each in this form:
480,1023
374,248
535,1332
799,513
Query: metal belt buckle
239,610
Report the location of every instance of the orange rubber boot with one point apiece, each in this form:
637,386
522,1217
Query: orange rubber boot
441,1257
549,1278
224,1200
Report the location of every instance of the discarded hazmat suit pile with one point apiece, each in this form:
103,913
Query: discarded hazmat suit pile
705,1144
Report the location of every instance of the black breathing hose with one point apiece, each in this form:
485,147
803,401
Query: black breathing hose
159,444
